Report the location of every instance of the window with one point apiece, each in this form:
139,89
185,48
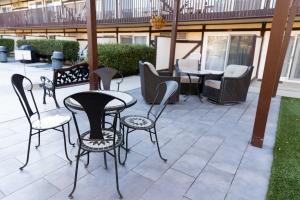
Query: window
126,39
216,52
5,9
140,40
241,50
233,49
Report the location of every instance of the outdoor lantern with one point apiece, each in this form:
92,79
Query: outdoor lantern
157,22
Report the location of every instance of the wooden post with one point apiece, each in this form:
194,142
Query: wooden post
285,44
174,35
92,42
150,35
274,49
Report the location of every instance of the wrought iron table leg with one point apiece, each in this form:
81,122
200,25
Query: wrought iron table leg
65,144
69,136
200,86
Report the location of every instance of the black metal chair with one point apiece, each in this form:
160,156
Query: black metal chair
106,74
148,123
98,139
37,123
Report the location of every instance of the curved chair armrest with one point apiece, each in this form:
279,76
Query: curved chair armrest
167,78
46,82
165,73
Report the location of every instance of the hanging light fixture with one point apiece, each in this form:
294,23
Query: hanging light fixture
157,21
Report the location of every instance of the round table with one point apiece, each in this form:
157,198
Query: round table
112,105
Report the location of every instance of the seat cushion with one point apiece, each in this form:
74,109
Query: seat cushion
234,71
213,84
185,79
49,122
107,143
137,122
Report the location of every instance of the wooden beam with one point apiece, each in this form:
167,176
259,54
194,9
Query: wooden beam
92,42
274,49
174,35
285,44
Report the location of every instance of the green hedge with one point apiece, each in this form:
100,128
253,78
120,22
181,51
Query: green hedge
8,43
125,57
45,48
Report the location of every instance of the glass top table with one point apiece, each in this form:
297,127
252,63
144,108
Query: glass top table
200,74
112,105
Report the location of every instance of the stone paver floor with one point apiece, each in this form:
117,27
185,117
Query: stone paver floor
207,146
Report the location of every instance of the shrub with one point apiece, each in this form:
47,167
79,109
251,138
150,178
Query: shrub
8,43
125,57
45,48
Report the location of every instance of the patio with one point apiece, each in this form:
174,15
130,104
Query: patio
207,147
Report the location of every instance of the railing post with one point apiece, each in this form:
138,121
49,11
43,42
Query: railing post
117,9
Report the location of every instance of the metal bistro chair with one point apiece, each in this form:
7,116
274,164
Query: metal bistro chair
37,123
98,139
106,74
148,123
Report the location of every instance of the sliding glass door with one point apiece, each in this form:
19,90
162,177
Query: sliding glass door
291,66
233,49
216,52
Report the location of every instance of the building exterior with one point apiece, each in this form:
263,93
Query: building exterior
229,31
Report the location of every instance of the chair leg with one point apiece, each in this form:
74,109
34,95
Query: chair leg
117,175
65,144
28,150
150,133
39,140
87,160
69,137
76,173
155,133
44,96
105,160
126,149
55,100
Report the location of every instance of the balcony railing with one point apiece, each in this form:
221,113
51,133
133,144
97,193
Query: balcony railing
137,11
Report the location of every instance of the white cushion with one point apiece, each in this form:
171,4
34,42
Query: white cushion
185,79
152,68
190,64
234,71
49,122
213,84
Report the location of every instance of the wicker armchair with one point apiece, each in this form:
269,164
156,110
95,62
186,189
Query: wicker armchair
150,79
231,87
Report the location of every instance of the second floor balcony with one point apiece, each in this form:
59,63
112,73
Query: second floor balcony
116,12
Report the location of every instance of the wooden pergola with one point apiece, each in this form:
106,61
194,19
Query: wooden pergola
282,24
